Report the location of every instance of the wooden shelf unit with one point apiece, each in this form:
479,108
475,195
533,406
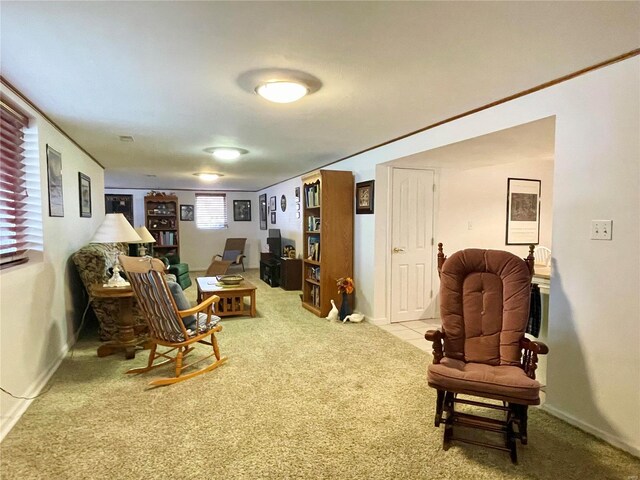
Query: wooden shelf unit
161,219
328,209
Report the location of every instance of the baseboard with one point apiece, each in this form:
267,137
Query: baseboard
378,321
606,436
10,418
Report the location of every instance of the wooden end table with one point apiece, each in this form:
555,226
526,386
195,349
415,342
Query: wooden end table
231,297
125,337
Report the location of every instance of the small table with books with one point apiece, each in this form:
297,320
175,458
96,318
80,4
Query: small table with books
231,296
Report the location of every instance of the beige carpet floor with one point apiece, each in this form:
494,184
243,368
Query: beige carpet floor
300,397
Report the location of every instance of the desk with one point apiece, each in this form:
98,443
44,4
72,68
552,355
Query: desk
231,297
125,338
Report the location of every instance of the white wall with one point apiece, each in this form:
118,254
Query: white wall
594,326
42,300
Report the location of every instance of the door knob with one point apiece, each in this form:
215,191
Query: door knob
398,250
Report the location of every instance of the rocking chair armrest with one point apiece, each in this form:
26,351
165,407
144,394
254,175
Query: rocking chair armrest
200,307
531,350
437,337
539,348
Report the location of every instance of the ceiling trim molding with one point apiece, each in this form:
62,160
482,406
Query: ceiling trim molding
32,105
182,189
537,88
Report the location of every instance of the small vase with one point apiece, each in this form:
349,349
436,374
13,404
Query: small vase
345,308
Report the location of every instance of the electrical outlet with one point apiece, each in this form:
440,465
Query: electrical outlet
601,229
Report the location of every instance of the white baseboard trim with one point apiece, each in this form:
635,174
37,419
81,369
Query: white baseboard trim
10,418
378,321
606,436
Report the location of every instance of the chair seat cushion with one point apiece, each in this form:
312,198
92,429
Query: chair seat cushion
179,269
202,324
501,382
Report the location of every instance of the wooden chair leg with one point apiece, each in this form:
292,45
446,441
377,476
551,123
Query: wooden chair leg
179,362
439,406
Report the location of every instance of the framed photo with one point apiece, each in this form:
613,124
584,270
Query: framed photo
119,204
273,217
54,178
242,210
364,197
84,188
272,204
263,211
186,213
523,211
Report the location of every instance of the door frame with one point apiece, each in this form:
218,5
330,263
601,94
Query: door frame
388,237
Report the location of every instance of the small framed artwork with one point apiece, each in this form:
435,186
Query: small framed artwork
242,210
283,203
523,211
263,211
84,187
54,177
272,204
297,193
186,213
364,196
273,217
119,204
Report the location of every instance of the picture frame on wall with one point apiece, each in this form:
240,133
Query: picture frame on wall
273,217
123,204
242,210
54,183
263,211
523,211
187,213
364,196
84,192
272,204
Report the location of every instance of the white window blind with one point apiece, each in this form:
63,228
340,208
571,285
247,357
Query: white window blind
20,205
211,211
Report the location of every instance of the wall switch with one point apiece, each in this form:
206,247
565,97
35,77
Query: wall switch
469,225
601,229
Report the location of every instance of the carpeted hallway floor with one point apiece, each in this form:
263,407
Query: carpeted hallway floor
300,397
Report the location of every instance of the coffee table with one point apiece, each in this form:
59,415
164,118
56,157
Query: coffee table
231,297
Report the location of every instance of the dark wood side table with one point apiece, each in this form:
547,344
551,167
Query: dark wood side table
291,273
125,338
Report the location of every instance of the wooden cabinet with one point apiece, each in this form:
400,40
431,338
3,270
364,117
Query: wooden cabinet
161,213
328,197
290,273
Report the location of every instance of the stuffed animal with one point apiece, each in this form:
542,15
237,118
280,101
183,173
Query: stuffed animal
355,317
333,314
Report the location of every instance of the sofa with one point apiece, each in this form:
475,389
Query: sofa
94,263
179,269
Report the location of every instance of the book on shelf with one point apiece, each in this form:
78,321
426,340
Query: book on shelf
312,193
313,248
313,273
313,223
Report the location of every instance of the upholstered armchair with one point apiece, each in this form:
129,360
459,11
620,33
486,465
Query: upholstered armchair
94,263
179,269
481,350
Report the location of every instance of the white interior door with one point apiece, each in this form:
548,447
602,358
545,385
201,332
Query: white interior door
411,244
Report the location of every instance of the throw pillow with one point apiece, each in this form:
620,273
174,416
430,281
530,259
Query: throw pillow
182,303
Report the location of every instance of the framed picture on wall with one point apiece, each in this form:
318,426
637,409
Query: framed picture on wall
186,213
54,183
242,210
84,189
272,204
119,204
263,211
364,197
273,217
523,211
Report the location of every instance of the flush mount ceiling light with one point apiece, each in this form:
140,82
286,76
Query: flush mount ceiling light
208,176
282,92
226,153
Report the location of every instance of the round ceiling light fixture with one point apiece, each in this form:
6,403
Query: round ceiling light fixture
208,176
282,91
226,153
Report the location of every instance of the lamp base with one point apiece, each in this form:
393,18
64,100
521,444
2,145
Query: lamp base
116,280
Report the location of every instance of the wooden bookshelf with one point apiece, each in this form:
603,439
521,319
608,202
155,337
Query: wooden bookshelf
327,223
161,214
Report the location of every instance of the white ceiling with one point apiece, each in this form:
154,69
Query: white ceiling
173,74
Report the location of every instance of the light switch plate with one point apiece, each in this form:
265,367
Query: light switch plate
601,229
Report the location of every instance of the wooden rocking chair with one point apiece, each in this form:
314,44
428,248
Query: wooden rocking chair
165,321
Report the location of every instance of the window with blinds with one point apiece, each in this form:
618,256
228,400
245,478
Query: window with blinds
20,204
211,211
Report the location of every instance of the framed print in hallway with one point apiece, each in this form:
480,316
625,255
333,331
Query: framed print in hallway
263,211
242,210
523,211
186,213
272,204
273,217
84,188
364,197
54,184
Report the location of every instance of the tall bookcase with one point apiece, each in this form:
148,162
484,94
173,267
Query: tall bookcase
161,213
328,197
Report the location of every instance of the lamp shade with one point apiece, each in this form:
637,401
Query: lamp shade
145,236
114,229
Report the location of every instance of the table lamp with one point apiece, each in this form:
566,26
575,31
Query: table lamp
115,229
145,237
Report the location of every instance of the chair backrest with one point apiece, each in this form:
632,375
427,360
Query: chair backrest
235,244
484,305
542,256
148,283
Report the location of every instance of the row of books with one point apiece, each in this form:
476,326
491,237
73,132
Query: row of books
313,248
315,296
313,223
313,273
312,195
165,238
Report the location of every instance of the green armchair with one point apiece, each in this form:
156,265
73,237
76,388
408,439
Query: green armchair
179,269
